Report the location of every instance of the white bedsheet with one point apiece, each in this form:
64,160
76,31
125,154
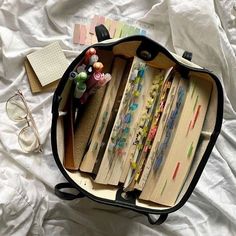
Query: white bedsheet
27,203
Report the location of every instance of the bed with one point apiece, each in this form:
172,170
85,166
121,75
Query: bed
28,205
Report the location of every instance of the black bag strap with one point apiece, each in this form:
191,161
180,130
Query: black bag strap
187,55
65,195
102,33
162,218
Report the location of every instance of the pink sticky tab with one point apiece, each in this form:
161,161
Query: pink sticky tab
101,20
76,35
95,21
176,171
88,36
82,34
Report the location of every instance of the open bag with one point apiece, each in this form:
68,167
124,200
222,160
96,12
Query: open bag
142,140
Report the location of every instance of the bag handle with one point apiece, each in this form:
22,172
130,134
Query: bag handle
65,195
162,218
102,33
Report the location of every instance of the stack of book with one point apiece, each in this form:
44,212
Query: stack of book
147,130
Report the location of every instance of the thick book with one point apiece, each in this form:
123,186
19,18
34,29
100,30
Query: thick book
177,160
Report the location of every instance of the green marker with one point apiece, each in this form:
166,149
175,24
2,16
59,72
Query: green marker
80,88
81,77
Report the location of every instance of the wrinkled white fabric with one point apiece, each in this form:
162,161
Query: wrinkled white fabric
27,203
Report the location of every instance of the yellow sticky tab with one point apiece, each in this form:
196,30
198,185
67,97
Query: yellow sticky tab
133,165
119,27
136,93
137,176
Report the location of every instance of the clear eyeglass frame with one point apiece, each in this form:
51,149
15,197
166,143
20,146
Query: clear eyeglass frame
18,111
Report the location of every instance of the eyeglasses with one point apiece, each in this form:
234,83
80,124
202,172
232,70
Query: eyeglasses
17,110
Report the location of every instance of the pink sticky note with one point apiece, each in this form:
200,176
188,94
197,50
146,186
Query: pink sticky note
76,34
88,36
101,20
95,21
82,34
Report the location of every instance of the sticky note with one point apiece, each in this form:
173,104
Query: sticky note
137,31
95,22
125,30
87,37
101,20
143,32
49,63
107,23
76,38
82,34
119,27
112,28
131,31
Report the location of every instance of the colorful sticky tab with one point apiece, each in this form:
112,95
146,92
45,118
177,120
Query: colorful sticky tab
195,103
101,20
94,23
133,106
131,30
76,35
119,27
88,36
193,89
127,118
107,23
196,116
82,34
189,126
112,28
163,188
176,171
124,30
137,31
190,150
133,165
158,163
143,32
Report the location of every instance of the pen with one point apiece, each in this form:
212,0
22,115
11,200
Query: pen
72,75
80,68
105,79
94,78
101,80
88,54
81,77
98,66
80,88
89,67
93,59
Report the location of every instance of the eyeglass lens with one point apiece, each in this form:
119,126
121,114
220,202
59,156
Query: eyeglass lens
28,139
17,111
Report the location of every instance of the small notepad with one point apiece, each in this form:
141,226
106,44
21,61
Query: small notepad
49,63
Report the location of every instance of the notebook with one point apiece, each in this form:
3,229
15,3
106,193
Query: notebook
48,63
35,85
